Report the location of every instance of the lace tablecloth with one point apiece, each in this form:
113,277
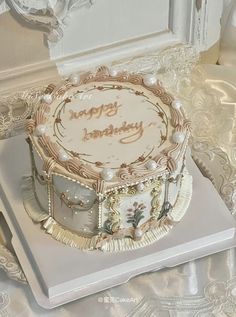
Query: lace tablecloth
202,288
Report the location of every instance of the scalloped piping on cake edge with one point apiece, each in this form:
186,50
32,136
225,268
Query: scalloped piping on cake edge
115,245
102,74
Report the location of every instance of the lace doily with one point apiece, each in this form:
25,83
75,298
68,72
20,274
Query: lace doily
219,300
10,265
212,144
4,302
15,109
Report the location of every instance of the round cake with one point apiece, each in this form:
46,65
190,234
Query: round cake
108,161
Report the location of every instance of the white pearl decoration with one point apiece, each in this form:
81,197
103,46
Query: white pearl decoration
113,72
176,104
151,165
138,233
74,79
40,129
107,174
140,187
178,137
47,98
149,80
63,156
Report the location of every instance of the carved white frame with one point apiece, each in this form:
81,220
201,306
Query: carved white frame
189,20
192,21
196,22
51,15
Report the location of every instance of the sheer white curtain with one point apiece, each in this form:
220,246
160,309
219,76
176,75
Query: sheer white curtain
220,81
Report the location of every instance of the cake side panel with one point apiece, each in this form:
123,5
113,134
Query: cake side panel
39,183
75,206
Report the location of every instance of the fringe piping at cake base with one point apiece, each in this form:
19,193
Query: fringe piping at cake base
184,198
67,237
125,244
112,245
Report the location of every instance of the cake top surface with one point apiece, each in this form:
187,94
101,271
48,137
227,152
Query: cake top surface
109,129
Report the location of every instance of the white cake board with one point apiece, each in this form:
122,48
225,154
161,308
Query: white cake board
58,274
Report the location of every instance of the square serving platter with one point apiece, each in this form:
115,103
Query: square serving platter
58,274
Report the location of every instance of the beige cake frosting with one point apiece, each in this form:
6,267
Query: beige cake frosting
108,161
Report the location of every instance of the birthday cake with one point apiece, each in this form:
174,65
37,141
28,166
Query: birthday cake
108,161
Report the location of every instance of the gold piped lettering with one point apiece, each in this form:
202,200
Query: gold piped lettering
133,130
108,110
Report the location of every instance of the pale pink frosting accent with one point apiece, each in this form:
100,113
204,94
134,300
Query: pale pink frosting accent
171,149
171,164
161,160
131,172
49,165
30,126
73,165
39,116
180,128
176,118
63,89
49,147
99,186
87,172
50,88
187,125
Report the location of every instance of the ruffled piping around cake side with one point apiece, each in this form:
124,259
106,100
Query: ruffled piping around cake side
184,198
112,245
67,237
30,201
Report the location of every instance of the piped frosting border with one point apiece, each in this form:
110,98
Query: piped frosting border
85,174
